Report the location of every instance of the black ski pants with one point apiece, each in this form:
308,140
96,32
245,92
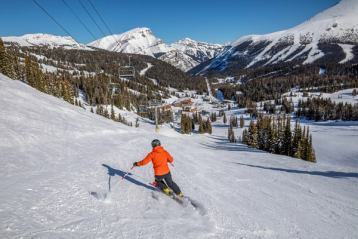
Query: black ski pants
167,181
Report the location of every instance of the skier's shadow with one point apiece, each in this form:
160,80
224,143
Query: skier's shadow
113,172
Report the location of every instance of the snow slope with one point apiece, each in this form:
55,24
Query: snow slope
315,39
135,41
52,155
48,40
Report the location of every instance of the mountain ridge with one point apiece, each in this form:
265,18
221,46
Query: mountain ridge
183,54
316,40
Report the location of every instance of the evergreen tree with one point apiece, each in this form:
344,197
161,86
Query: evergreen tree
224,119
213,117
252,135
287,138
231,135
120,118
113,115
201,127
245,136
6,64
242,121
208,126
67,90
354,92
274,141
296,139
311,156
186,124
233,121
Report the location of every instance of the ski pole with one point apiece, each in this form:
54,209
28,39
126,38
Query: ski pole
125,175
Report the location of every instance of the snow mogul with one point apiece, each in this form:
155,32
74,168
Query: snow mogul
163,178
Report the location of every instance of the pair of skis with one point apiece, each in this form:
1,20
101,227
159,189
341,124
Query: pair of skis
184,201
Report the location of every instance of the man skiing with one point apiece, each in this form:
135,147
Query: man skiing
160,159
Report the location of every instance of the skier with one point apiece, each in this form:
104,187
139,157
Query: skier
160,159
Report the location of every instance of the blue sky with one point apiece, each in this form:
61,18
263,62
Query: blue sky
211,21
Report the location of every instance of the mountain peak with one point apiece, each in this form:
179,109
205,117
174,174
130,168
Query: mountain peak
139,40
140,30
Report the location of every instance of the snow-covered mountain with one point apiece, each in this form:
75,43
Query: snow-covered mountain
188,53
135,41
41,39
330,36
201,51
184,54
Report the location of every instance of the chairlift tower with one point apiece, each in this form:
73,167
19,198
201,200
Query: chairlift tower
155,103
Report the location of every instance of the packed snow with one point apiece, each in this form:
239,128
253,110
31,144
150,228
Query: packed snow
62,168
348,50
143,71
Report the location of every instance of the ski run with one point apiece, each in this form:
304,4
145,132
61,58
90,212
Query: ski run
62,168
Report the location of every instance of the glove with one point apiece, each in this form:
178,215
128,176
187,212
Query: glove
135,164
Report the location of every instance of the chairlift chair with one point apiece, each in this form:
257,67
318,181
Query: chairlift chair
126,71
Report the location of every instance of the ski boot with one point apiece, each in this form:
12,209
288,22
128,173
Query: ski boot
167,191
180,195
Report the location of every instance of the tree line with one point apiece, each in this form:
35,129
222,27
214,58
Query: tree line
324,109
274,134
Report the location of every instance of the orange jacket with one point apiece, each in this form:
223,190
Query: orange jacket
160,159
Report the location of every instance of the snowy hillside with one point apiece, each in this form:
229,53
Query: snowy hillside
183,54
189,53
59,163
330,36
48,40
135,41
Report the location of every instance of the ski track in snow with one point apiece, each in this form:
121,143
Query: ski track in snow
52,159
348,50
142,72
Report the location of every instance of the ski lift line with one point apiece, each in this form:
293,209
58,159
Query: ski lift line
90,15
79,19
103,21
53,19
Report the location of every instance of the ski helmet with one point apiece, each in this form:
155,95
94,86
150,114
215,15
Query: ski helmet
155,143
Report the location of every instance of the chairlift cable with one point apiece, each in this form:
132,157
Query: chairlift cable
79,19
53,19
104,23
90,15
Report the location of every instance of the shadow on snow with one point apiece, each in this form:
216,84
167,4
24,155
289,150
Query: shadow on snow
116,172
221,143
331,174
